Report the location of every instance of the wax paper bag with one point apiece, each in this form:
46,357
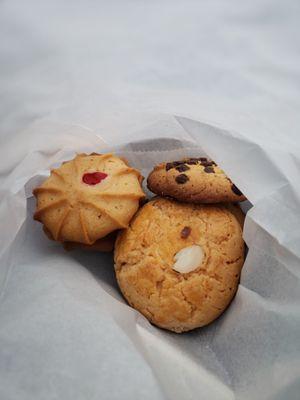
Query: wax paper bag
65,330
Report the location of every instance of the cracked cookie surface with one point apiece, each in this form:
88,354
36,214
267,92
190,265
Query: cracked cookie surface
195,180
144,257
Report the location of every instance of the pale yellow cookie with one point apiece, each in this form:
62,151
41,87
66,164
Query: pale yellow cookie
88,197
179,264
193,180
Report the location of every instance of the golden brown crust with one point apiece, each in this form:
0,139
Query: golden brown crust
144,257
194,181
73,211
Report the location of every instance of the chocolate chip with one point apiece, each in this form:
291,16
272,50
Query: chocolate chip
178,163
185,232
182,168
236,190
173,164
209,170
207,163
192,161
182,178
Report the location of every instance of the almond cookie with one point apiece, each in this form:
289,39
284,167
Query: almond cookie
235,209
179,264
87,198
193,180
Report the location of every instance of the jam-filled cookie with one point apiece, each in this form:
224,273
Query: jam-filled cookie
194,180
179,264
87,198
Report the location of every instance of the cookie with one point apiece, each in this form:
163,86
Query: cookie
87,198
105,244
193,180
179,264
236,211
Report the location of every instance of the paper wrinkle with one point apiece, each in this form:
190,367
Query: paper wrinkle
233,358
266,166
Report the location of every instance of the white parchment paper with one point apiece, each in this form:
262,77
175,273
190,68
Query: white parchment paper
65,330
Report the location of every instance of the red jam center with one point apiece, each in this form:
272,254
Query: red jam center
93,178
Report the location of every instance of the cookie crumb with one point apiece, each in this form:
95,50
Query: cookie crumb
185,232
236,190
182,178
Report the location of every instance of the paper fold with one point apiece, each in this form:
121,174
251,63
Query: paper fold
65,329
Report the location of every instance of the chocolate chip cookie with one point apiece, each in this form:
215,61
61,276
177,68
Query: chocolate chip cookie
194,180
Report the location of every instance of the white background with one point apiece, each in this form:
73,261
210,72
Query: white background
95,62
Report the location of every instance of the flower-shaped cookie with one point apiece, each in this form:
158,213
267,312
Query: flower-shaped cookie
88,197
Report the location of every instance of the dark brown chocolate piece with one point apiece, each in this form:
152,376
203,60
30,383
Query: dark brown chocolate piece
182,168
192,161
185,232
209,170
207,163
236,190
169,166
173,164
182,178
